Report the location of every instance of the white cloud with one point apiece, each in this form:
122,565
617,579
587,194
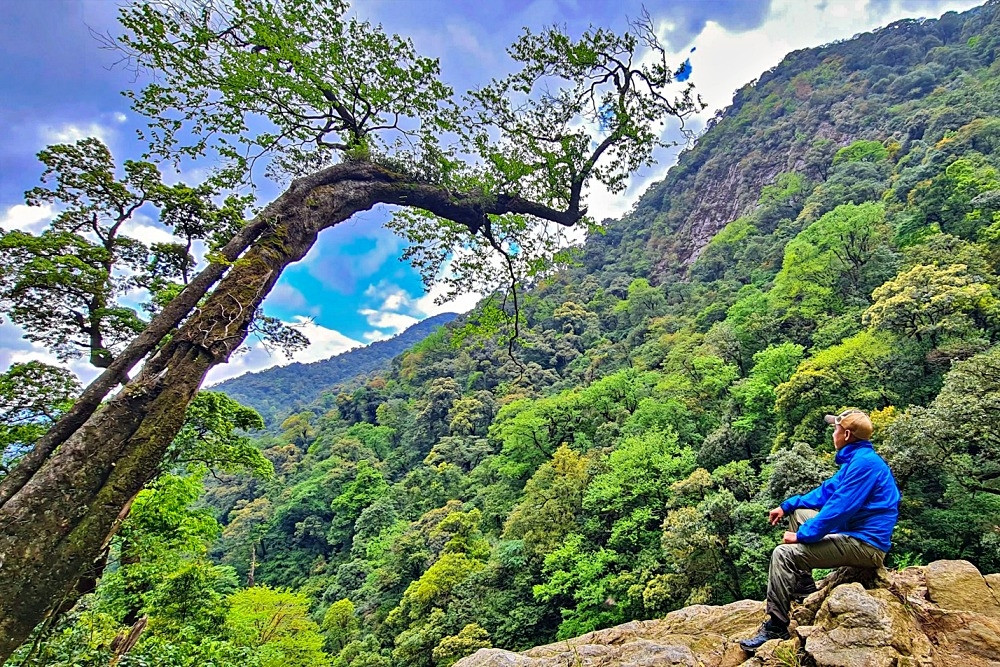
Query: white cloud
395,299
285,296
384,319
71,132
464,39
427,304
193,176
147,232
26,218
726,60
15,349
375,335
323,344
119,117
386,247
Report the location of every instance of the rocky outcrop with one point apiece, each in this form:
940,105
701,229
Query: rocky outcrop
945,614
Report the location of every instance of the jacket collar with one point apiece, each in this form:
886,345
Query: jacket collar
848,451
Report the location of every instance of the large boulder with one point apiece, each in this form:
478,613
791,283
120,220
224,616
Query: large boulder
864,628
945,614
958,585
701,635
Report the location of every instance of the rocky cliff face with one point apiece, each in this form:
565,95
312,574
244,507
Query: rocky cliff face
945,614
882,85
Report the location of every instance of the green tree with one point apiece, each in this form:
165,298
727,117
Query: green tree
161,534
946,201
453,648
340,625
715,544
833,264
64,286
266,82
756,394
211,437
367,487
362,653
642,303
859,371
32,396
276,624
298,429
530,431
957,431
419,614
629,491
933,303
551,503
861,150
248,523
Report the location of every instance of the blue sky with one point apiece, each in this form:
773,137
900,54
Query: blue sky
57,85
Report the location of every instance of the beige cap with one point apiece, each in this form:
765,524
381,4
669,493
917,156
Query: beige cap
855,421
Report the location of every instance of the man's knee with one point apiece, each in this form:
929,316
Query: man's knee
799,517
787,557
784,554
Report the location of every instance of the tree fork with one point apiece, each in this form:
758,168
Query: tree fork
161,325
119,368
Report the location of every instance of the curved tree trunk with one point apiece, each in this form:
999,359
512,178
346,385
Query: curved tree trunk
141,345
55,524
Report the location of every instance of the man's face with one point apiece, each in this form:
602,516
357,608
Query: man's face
840,436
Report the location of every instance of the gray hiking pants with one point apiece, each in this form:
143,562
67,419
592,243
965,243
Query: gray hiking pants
792,564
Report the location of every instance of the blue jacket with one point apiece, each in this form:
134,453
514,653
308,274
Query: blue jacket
860,500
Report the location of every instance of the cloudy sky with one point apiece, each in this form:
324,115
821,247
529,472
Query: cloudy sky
57,85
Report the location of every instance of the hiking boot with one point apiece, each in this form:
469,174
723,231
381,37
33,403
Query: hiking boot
771,629
803,589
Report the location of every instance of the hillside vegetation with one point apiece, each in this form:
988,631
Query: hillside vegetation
276,392
832,240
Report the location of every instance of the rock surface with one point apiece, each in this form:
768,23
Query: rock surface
957,585
944,614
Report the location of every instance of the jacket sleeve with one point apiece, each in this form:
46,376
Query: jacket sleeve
813,500
850,495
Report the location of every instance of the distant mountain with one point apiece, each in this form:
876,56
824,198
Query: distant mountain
278,391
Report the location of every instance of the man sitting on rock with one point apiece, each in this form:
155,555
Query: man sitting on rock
857,511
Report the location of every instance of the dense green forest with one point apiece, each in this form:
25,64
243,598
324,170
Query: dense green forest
277,392
832,240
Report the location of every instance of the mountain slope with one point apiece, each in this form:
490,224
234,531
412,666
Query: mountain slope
912,80
669,390
278,391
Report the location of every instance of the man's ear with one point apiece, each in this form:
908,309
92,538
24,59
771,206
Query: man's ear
848,436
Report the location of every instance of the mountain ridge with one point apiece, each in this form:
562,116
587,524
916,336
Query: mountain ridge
266,391
788,119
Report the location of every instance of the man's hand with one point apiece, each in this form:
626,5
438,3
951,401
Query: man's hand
775,515
790,537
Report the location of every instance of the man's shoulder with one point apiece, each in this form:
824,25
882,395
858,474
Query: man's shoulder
869,458
866,457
